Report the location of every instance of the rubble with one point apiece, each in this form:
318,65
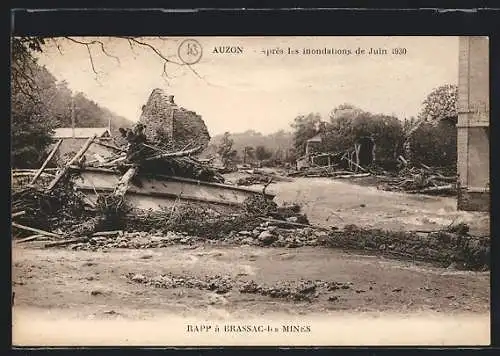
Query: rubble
444,247
301,290
425,180
256,176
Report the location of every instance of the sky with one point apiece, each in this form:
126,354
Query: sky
258,90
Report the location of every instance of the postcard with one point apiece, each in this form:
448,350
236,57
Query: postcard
222,191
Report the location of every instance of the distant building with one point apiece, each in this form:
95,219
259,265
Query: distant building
313,144
74,139
473,134
82,132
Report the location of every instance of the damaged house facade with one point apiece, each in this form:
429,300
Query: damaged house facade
473,142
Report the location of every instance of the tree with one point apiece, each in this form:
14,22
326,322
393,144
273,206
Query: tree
225,150
31,120
305,127
261,153
440,104
433,139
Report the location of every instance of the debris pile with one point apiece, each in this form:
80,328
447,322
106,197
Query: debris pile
451,246
217,284
424,180
36,209
256,176
301,290
328,171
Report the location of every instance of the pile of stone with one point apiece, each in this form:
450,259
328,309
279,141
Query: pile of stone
301,290
217,284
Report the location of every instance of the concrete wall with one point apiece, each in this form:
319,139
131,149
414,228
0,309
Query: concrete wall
473,124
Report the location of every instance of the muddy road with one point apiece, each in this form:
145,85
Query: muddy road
60,284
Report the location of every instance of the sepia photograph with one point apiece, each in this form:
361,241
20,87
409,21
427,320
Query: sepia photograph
244,191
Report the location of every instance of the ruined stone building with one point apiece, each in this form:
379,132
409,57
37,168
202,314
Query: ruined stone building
473,136
172,126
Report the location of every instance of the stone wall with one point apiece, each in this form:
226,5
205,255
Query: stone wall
172,126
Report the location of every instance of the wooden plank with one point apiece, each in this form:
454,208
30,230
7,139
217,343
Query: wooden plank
38,231
66,242
30,238
357,165
110,146
165,195
47,160
174,154
19,213
284,222
124,182
433,189
107,233
354,175
74,160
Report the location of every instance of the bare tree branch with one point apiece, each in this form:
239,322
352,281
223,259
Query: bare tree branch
153,48
95,42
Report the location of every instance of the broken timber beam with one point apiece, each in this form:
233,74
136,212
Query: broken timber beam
440,188
357,165
19,213
289,223
74,160
66,242
175,154
353,175
38,231
49,157
30,238
123,184
110,146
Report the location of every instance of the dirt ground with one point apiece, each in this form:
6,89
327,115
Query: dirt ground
395,302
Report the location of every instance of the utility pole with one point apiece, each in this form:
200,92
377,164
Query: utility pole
73,117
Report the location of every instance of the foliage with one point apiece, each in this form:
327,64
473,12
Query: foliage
305,127
32,123
39,104
280,140
261,153
434,140
435,145
226,151
440,104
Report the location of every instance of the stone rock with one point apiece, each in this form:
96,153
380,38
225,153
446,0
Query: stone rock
293,219
245,233
139,278
267,237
